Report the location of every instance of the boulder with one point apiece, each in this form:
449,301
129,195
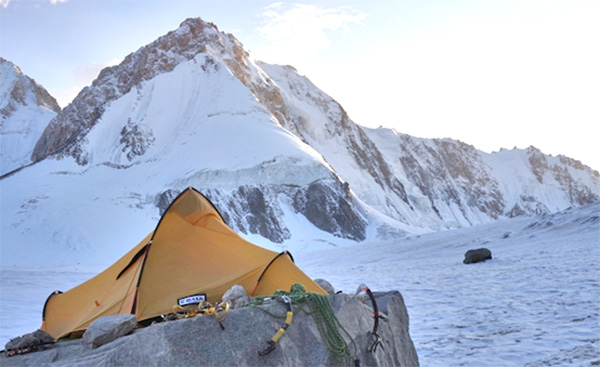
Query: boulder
106,329
478,255
200,341
236,297
327,287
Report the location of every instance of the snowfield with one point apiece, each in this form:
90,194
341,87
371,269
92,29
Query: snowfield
537,303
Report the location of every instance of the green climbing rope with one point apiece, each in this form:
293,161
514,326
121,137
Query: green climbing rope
323,316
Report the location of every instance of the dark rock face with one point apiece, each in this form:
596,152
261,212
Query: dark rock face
245,210
164,199
200,340
527,205
479,255
135,140
261,219
323,206
251,209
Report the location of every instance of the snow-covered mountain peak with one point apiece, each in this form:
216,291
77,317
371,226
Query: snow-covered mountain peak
17,88
25,109
65,133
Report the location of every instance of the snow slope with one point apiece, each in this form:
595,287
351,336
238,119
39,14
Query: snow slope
534,304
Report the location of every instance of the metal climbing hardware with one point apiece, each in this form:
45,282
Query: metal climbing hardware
376,340
318,307
219,311
288,320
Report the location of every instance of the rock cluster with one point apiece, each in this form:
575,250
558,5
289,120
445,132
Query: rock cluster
37,338
201,341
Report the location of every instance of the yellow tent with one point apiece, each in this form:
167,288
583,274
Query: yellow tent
191,254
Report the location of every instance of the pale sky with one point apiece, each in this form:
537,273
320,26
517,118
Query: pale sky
491,73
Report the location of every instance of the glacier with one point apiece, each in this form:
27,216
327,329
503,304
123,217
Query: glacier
534,304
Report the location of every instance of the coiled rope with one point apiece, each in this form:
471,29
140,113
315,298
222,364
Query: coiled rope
325,320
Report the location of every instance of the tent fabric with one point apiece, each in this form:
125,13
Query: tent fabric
191,251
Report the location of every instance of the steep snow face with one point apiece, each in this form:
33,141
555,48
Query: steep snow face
464,186
535,183
25,110
196,113
323,124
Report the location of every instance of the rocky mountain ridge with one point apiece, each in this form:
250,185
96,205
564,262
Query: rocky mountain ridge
282,160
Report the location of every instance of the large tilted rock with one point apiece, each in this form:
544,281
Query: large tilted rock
200,341
106,329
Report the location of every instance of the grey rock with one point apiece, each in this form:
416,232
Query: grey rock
360,293
106,329
327,287
236,297
43,336
200,340
38,337
478,255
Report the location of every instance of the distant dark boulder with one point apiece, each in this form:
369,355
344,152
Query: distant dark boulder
479,255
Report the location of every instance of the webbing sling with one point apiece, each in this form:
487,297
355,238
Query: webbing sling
377,341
